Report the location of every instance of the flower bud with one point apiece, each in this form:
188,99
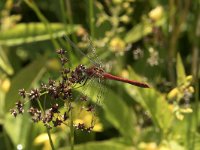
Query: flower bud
156,13
173,93
5,86
117,44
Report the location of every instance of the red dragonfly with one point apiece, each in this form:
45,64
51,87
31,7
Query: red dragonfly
98,72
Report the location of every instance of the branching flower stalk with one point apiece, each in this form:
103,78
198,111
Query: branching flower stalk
61,94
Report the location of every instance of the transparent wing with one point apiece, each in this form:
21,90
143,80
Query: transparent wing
79,50
92,52
101,90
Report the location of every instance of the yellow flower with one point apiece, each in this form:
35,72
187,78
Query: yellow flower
156,13
179,115
173,93
81,31
5,85
44,139
117,1
189,78
125,74
191,89
125,19
148,146
117,45
86,118
186,110
163,148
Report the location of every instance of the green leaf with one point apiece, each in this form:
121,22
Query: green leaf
180,71
18,128
138,32
119,114
2,105
24,79
103,145
4,62
153,102
141,30
33,32
175,145
3,144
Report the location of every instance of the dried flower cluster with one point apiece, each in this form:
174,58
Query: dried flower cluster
56,90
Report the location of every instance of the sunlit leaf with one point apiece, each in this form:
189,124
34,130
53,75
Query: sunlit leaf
2,143
18,128
180,70
119,113
2,102
25,79
4,62
141,30
137,32
175,145
153,102
33,32
102,145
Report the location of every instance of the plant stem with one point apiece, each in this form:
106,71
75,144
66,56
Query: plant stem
175,29
64,20
48,130
40,105
195,64
171,41
70,19
91,17
64,17
50,139
71,131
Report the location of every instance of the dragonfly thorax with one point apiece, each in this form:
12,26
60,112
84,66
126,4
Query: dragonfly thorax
95,71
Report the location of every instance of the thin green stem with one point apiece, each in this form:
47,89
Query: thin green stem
40,105
91,17
71,131
48,130
175,29
196,60
70,19
64,19
63,13
50,139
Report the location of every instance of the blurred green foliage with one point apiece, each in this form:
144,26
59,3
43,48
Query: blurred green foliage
155,41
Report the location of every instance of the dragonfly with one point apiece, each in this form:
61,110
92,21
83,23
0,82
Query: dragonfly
96,71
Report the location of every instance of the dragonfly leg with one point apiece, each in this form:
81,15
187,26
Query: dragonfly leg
82,84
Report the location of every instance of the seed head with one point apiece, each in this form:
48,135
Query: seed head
19,107
22,93
54,108
34,94
58,122
80,126
65,117
61,51
13,112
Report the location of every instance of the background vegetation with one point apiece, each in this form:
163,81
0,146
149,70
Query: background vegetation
153,41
